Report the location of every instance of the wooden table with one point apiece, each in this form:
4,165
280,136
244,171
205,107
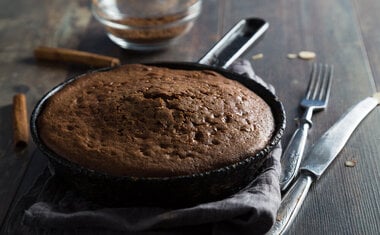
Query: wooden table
342,32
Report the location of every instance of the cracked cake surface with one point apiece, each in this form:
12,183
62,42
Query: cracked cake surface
145,121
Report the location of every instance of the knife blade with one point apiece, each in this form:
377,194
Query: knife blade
321,155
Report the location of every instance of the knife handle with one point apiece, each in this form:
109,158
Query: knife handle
292,156
291,203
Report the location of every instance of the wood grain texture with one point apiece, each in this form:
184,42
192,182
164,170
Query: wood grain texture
342,32
368,18
23,26
342,201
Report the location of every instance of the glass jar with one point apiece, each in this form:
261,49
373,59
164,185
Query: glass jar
146,24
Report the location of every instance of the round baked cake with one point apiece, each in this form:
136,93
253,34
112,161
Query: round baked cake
145,121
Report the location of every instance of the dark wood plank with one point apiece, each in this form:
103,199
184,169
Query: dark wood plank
24,26
12,167
367,13
37,164
338,202
71,26
342,32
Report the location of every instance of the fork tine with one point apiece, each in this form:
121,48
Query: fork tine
325,82
318,81
312,82
329,75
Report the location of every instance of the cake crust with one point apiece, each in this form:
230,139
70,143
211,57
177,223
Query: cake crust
145,121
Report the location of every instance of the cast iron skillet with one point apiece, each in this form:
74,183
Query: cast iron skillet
180,190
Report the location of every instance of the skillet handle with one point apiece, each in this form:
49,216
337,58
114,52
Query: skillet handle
235,42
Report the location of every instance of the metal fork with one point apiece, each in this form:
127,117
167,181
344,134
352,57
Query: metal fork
316,99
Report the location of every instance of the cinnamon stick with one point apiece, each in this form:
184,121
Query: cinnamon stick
20,122
75,56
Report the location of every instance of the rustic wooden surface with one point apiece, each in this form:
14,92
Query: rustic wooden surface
342,32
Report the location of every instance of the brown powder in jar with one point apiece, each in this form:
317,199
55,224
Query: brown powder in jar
150,33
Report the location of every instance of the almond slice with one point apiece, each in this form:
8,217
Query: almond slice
307,55
350,163
292,56
258,56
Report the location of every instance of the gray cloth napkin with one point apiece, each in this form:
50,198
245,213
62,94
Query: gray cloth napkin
251,211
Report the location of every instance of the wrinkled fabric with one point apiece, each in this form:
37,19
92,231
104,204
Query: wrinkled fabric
50,207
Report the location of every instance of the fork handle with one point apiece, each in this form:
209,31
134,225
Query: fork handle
292,156
290,204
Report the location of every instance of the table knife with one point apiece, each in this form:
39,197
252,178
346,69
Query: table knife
321,155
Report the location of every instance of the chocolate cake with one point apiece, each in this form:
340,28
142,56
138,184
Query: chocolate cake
145,121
